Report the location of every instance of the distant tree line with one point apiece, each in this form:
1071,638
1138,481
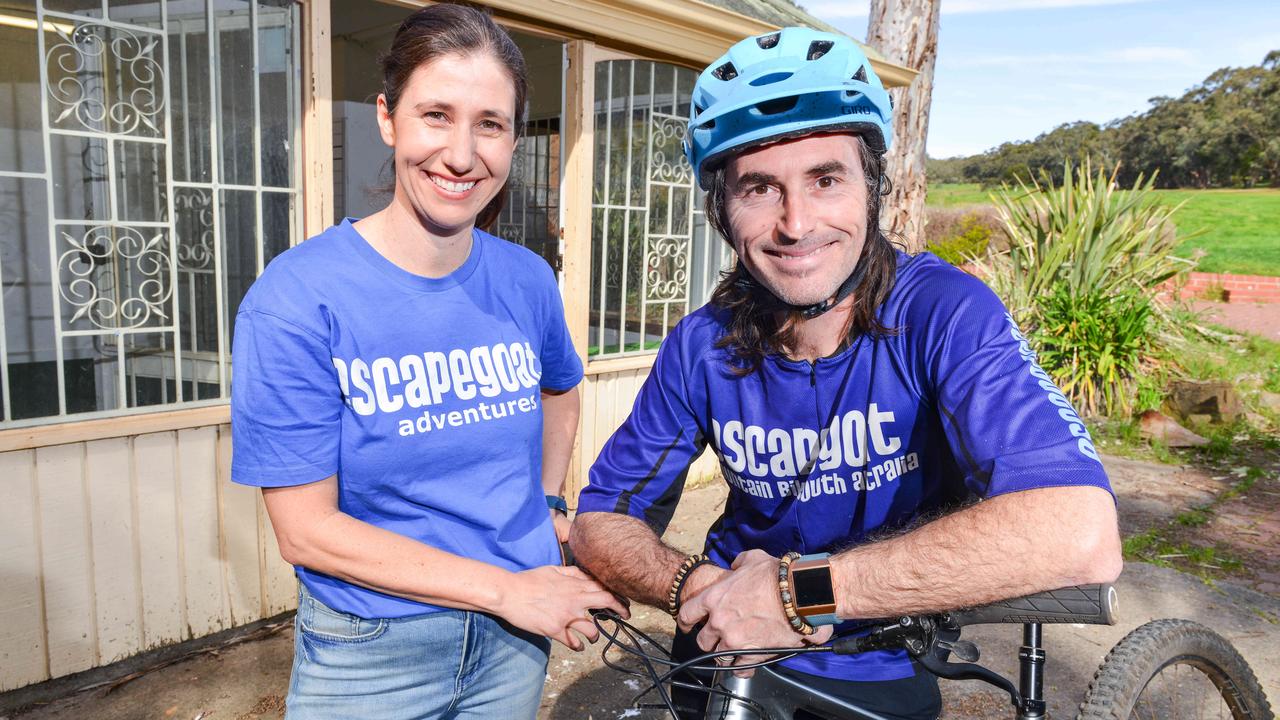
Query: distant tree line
1224,132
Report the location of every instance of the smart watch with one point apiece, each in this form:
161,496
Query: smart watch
812,590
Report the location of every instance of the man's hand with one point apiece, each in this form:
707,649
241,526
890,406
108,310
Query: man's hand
742,610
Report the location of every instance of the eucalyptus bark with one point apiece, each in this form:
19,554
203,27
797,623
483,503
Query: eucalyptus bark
906,33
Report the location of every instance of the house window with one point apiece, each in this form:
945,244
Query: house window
654,258
148,171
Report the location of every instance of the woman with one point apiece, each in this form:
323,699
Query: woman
404,385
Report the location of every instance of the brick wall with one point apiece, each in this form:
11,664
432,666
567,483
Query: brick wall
1236,288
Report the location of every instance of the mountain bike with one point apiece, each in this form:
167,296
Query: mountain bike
1164,669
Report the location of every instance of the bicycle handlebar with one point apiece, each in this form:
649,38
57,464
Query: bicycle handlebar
1086,604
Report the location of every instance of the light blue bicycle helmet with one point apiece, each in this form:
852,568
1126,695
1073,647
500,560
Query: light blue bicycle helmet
784,84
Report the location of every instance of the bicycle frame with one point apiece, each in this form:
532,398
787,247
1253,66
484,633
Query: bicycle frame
772,696
928,639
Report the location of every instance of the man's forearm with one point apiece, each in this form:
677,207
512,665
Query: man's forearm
626,555
1008,546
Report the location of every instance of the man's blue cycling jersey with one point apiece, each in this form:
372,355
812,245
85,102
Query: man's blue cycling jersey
818,456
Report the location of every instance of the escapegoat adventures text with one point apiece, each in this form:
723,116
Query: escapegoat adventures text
430,379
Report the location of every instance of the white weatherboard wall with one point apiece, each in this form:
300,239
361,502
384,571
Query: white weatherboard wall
606,402
112,547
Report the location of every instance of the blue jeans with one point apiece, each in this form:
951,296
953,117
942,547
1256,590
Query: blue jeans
448,665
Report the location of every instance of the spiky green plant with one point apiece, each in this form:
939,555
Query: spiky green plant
1087,235
1082,276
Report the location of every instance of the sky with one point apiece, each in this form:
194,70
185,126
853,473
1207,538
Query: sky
1008,70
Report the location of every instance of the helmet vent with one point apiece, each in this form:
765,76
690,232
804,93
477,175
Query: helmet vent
767,41
770,79
777,106
861,75
818,48
725,72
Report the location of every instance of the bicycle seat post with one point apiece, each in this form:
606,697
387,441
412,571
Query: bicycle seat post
1031,674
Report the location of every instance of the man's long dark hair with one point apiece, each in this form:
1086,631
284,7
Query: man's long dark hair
756,328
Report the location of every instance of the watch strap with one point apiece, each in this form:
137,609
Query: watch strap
558,503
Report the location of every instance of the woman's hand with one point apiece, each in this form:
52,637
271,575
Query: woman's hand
555,601
562,525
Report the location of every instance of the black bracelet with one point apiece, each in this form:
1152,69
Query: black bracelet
703,560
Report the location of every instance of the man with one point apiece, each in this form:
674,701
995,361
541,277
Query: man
878,407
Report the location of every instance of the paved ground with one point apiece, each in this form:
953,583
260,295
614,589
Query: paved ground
1257,318
247,681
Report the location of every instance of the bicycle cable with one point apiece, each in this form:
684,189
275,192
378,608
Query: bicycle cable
652,661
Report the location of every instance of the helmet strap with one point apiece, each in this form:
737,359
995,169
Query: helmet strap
748,283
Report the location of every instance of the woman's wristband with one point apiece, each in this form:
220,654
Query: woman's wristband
557,503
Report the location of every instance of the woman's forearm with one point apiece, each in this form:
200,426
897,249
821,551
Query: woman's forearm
313,533
560,413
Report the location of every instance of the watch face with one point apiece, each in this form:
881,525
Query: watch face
812,586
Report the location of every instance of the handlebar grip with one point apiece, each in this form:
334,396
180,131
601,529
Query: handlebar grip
1087,604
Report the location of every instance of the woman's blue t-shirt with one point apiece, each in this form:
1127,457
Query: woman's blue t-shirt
421,394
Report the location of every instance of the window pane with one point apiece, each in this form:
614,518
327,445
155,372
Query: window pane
197,286
620,131
239,248
149,369
651,263
235,96
121,271
278,80
112,277
141,181
28,303
104,79
189,100
90,368
81,167
87,8
21,148
277,224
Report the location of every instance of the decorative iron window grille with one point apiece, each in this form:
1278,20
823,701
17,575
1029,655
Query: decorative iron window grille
148,173
531,215
654,258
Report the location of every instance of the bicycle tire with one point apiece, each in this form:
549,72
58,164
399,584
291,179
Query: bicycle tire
1118,687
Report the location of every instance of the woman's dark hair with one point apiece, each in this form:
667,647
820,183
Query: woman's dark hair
439,30
755,327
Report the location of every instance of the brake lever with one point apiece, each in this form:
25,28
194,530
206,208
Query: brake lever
969,671
962,649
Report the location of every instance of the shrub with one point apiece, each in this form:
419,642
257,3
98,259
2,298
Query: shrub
1093,346
959,237
1082,277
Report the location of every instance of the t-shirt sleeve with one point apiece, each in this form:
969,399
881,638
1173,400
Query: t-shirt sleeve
1008,425
561,366
642,469
286,404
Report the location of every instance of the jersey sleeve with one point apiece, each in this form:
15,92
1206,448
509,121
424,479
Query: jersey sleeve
286,404
642,469
561,366
1008,425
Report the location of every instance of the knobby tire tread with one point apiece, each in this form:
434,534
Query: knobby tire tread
1136,659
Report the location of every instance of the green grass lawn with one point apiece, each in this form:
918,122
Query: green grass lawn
1242,227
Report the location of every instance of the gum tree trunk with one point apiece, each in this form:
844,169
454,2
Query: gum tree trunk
906,33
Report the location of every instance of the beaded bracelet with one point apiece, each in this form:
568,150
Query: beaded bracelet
677,583
788,602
